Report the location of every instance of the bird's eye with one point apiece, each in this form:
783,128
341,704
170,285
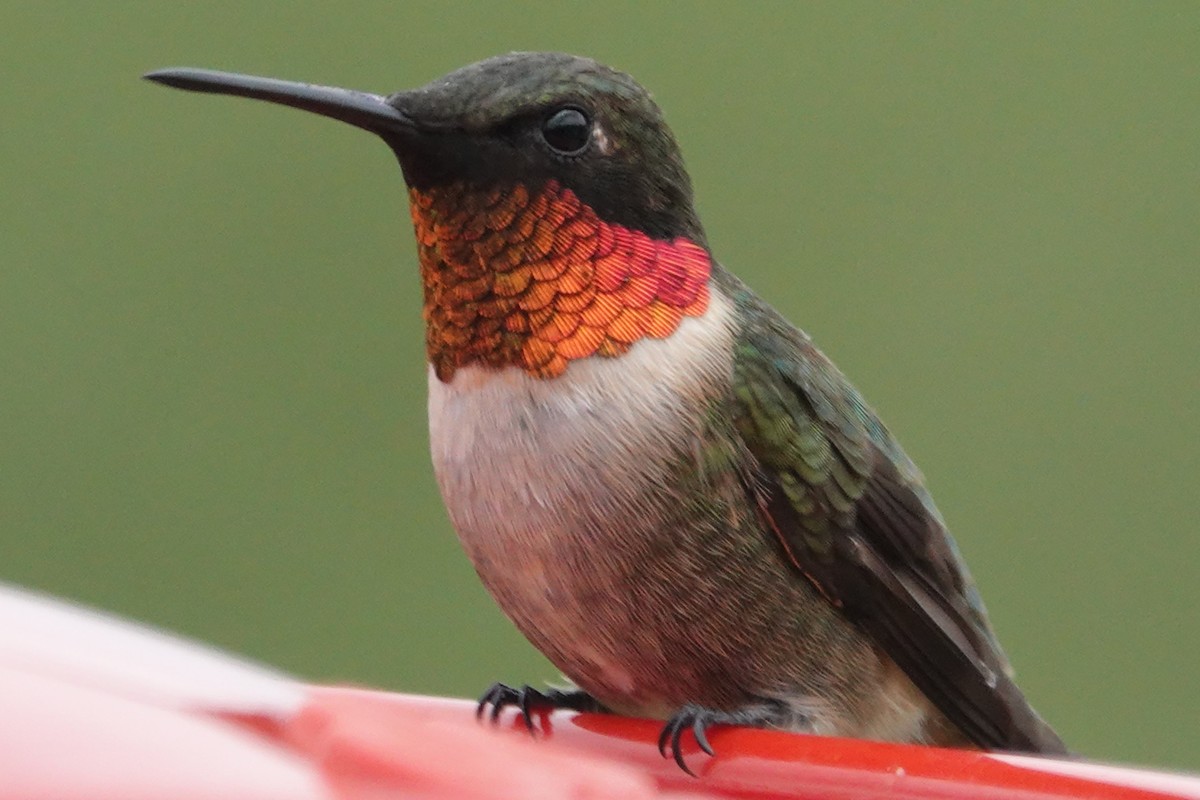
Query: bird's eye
567,131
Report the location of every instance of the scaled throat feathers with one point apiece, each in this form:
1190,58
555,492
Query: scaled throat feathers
535,279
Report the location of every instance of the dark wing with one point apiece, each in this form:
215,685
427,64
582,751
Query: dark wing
851,512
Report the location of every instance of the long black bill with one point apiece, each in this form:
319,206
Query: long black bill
361,109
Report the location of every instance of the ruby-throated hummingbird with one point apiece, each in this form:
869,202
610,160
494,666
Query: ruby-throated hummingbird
674,495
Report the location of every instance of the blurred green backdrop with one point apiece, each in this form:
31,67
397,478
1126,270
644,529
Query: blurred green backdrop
211,368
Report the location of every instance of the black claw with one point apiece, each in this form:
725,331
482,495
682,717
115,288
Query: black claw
529,700
700,731
528,696
663,735
699,719
692,717
765,714
676,739
498,696
672,734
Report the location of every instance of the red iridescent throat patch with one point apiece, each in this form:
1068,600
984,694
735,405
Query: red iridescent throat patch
538,280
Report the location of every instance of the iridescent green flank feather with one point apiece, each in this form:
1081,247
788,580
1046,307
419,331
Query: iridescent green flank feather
853,515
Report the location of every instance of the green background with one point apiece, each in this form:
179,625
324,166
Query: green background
212,382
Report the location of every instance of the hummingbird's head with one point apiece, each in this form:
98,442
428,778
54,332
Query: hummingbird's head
553,213
532,118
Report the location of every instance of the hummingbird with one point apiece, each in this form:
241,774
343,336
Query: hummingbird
672,493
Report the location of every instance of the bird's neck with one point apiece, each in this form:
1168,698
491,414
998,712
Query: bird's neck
533,278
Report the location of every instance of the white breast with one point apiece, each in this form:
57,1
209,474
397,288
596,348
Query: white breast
513,453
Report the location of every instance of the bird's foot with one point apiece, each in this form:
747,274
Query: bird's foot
699,719
528,700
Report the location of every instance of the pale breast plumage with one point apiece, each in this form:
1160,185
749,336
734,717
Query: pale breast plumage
512,451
